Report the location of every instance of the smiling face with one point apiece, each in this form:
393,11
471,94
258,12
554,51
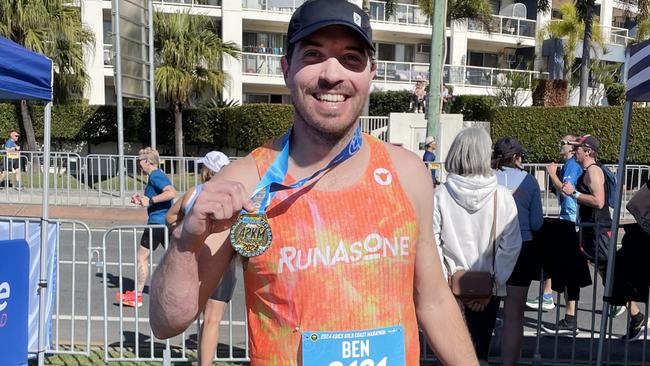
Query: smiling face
329,76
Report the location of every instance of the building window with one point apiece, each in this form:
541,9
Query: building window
395,52
483,59
262,42
267,98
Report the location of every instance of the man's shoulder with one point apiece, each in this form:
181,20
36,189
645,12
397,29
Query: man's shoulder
243,170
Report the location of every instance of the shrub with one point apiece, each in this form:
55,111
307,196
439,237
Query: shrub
251,125
382,103
540,128
615,94
474,107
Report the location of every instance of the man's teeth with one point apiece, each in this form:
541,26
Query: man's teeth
330,97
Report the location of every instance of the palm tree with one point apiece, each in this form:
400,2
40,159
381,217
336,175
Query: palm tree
570,28
586,14
190,56
53,28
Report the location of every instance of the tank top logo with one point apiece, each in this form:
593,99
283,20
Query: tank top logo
372,247
383,176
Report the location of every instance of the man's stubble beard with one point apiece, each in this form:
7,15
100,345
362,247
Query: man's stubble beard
320,133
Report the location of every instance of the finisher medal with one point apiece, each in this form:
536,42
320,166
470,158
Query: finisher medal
251,234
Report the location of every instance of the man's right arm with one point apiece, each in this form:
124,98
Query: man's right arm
199,253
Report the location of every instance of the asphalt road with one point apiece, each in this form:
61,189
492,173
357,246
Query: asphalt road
81,290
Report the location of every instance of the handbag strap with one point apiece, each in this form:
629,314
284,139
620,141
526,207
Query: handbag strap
494,233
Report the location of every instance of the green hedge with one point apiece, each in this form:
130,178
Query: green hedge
382,103
250,125
539,129
474,107
241,127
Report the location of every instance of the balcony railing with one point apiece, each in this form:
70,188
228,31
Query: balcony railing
261,64
401,72
109,55
190,2
517,27
404,14
276,6
395,72
481,76
264,50
617,36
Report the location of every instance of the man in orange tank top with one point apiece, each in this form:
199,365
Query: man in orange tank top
351,267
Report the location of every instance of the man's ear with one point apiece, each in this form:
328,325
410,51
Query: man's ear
285,67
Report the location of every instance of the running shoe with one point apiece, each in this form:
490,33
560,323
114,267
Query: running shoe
616,311
636,330
563,328
128,299
547,302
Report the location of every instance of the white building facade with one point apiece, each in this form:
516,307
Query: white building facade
476,59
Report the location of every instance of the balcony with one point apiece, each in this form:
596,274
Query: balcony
206,3
261,64
109,54
615,35
267,65
401,72
405,14
480,76
274,6
518,27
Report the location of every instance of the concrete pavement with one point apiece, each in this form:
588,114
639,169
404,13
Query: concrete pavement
93,216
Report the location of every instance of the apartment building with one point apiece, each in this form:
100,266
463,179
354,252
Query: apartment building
477,58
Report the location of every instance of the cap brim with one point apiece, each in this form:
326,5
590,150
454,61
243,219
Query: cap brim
314,27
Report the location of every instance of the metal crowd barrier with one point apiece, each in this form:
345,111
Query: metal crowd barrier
71,318
635,178
127,330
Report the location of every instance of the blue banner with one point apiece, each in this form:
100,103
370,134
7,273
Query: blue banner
31,231
14,300
374,347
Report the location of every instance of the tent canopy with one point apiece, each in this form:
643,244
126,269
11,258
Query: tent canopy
24,74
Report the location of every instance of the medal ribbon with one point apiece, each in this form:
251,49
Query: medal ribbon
272,180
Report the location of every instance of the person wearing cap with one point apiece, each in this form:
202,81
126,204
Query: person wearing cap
508,155
567,266
595,219
429,157
337,218
216,304
13,160
157,199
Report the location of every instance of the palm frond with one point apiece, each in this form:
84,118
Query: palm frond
190,54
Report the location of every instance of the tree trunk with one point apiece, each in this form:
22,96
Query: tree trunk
586,48
178,129
30,142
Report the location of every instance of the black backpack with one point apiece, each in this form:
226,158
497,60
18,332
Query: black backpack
610,186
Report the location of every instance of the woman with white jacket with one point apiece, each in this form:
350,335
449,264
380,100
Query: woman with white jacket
463,218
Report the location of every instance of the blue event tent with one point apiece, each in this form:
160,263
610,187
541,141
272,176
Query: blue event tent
27,75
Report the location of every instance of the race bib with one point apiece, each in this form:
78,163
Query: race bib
374,347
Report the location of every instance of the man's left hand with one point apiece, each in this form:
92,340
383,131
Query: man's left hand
144,201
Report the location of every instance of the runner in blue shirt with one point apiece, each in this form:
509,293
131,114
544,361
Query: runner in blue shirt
12,162
158,197
429,157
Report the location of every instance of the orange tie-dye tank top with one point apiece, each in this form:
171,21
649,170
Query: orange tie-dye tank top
339,261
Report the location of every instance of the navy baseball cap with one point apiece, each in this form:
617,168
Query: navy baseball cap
508,146
316,14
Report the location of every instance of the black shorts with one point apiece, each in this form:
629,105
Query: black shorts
226,287
11,164
564,262
158,238
594,243
528,266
